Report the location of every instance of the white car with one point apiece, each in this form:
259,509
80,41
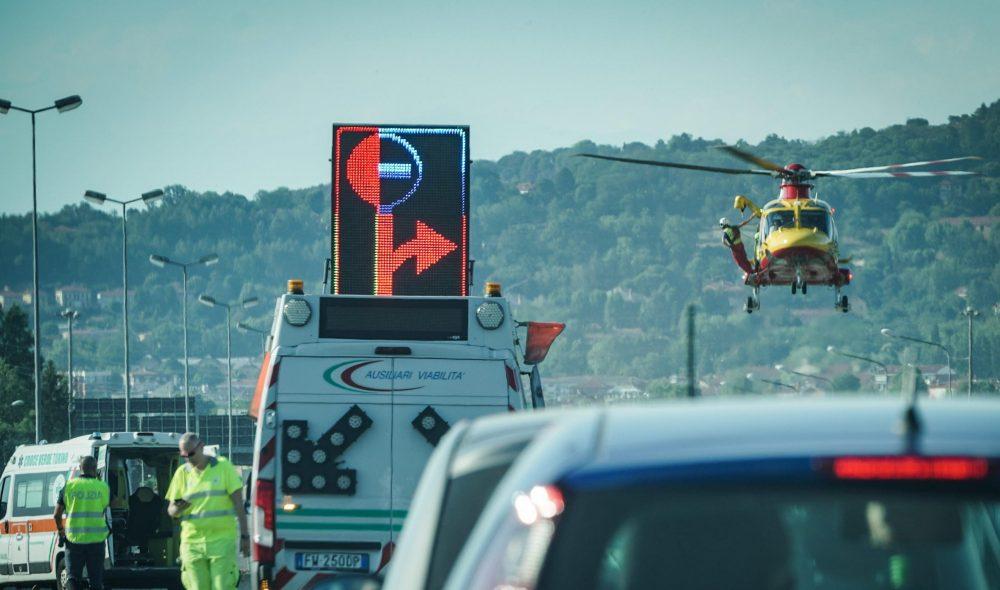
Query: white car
768,494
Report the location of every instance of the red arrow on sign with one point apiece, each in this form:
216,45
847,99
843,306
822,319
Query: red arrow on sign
428,247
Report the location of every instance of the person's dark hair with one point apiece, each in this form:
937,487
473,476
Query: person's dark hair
88,465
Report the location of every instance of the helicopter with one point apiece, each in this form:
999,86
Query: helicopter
796,242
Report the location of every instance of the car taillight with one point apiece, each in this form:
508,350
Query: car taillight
263,538
928,468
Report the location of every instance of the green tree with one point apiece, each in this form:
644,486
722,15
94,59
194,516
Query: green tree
846,382
53,394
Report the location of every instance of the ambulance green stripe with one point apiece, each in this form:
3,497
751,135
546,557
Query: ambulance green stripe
344,513
340,526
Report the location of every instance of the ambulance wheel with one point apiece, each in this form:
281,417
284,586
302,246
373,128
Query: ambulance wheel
62,576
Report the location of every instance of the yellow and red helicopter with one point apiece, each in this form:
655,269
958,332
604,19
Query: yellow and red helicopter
796,242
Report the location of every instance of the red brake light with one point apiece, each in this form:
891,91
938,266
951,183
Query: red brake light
943,468
263,545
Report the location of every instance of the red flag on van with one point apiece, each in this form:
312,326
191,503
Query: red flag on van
541,335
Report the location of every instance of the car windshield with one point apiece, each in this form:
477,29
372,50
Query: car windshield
818,219
774,540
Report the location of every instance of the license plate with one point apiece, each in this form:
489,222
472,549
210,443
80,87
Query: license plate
332,561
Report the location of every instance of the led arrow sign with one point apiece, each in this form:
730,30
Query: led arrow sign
400,210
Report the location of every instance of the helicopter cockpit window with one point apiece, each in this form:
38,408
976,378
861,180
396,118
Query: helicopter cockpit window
818,219
778,219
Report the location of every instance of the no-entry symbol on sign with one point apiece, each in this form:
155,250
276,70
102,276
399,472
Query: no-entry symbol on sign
400,210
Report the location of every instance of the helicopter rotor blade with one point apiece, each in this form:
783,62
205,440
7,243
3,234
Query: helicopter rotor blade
676,165
927,174
892,167
748,157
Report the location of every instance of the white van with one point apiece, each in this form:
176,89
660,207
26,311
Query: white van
143,545
354,395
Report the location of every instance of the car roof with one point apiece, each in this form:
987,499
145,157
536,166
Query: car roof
702,430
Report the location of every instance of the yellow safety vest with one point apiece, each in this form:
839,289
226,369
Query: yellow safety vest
211,514
86,499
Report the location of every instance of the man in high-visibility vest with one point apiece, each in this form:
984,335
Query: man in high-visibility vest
84,502
207,497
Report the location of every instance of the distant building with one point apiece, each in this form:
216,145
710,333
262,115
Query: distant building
9,298
110,298
96,384
524,187
74,296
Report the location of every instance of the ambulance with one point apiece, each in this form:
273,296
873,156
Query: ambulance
353,396
143,545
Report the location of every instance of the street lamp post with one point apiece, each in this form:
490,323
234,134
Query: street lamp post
248,328
801,374
162,262
212,302
62,105
885,370
99,199
947,354
970,313
70,315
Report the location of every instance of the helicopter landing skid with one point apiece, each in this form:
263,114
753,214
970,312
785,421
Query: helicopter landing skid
753,301
799,282
840,301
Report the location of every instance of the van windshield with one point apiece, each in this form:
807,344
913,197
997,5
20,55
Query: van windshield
765,538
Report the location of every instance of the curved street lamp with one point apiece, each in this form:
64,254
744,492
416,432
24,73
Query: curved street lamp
801,374
62,105
890,334
100,199
969,314
210,301
885,370
245,327
163,262
70,315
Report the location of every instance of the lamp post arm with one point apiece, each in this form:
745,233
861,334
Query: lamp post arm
31,112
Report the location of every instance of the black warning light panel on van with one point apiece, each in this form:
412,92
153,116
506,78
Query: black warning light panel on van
394,319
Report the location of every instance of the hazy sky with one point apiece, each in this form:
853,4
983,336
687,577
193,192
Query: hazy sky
240,96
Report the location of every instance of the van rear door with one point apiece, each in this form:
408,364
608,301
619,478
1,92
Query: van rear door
430,395
333,454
